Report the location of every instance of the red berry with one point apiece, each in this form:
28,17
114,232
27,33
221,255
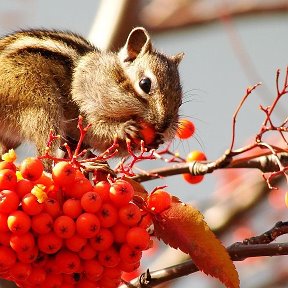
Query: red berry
7,165
72,208
87,225
30,256
19,222
87,252
7,258
108,215
121,192
67,261
52,207
92,269
30,204
49,243
130,214
31,168
22,243
91,202
20,271
103,240
75,243
138,238
102,188
148,133
80,186
3,222
23,187
42,223
37,276
194,156
109,257
63,173
129,255
119,231
159,201
64,226
8,179
9,201
185,129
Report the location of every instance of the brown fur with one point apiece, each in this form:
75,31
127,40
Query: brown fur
48,77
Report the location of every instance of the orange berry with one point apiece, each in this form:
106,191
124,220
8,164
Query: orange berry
52,207
102,189
138,238
37,276
103,240
130,214
22,243
72,208
119,231
186,129
19,222
91,202
7,258
29,256
23,187
108,215
75,243
92,269
8,179
30,204
121,192
80,186
129,255
7,165
20,271
31,168
159,201
67,261
87,225
42,223
9,201
148,132
87,252
194,156
63,173
64,226
49,243
109,258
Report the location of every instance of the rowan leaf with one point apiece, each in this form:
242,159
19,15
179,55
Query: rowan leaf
182,226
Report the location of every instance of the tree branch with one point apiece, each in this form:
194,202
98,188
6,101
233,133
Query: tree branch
239,251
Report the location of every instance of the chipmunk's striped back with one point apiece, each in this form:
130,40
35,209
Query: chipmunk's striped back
46,43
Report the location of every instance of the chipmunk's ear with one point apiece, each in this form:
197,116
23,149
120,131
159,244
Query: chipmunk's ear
138,43
177,58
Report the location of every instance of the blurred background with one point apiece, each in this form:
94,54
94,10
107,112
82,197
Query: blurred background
228,46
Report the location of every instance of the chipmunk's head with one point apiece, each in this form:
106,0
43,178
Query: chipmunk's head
124,92
154,78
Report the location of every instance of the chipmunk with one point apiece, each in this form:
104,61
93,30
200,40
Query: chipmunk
48,78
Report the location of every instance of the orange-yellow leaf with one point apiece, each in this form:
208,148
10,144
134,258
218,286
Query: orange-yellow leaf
182,226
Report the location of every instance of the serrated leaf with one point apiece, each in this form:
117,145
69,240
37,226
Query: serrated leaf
182,226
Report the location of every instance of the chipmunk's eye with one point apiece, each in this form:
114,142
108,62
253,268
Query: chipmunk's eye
145,84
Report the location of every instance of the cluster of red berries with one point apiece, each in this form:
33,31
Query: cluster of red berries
62,231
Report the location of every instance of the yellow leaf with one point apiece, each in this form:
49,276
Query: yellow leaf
10,156
38,191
